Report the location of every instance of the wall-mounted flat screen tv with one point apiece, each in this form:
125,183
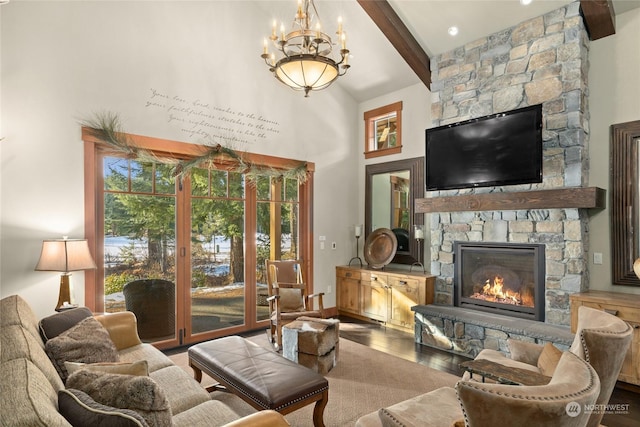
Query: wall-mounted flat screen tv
495,150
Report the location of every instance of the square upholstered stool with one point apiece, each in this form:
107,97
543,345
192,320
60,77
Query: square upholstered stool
312,342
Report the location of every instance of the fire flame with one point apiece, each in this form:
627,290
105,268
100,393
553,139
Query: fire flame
498,293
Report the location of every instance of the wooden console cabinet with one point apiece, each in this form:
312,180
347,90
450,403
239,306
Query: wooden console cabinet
626,307
382,295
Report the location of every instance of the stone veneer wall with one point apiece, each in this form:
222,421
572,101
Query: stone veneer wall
467,332
540,61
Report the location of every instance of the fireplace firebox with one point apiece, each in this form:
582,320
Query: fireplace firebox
501,278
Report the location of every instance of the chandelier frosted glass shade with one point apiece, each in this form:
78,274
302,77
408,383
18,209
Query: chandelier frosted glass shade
306,72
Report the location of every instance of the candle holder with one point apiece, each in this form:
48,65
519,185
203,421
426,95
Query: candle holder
418,234
357,233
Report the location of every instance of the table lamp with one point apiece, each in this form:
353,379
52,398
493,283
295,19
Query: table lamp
65,255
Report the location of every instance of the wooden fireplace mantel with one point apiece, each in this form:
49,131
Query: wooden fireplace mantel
563,198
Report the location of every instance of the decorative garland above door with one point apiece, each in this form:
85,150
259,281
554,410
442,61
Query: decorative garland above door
106,127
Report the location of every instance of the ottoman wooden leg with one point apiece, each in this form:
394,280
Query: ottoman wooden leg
318,410
197,373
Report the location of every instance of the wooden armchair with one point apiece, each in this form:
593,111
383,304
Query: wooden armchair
288,297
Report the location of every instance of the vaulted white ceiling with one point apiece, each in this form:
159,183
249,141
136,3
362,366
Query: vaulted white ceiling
377,68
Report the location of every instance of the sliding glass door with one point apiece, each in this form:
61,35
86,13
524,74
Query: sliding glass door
187,255
217,250
139,244
278,231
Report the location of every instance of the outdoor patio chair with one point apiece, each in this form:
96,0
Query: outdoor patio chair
153,301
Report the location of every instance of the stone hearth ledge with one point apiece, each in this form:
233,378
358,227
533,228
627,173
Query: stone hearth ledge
464,331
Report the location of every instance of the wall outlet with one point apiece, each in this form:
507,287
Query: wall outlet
329,289
597,258
322,246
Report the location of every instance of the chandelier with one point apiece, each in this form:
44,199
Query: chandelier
306,61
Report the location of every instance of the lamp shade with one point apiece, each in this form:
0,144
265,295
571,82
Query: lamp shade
65,255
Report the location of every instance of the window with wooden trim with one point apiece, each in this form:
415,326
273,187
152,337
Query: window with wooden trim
383,131
207,232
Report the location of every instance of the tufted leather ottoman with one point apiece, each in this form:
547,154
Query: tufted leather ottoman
262,378
312,342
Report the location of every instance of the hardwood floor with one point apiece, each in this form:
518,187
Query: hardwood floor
402,344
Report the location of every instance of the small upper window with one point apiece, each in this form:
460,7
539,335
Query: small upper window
382,132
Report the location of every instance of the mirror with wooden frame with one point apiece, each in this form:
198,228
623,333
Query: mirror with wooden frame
624,202
390,191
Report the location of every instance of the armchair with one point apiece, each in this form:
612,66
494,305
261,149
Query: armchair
288,297
601,339
573,388
574,385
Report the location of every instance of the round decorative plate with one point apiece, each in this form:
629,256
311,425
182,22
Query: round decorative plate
636,267
380,247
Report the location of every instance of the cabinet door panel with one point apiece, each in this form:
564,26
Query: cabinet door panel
374,300
404,294
348,295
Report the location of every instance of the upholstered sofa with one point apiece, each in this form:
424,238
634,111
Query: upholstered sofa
600,345
33,393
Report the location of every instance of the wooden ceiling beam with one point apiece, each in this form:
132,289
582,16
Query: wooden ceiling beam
383,15
599,18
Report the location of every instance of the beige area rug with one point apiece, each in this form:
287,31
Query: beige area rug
363,381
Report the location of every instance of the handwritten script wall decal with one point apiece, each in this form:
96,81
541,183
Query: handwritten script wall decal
214,124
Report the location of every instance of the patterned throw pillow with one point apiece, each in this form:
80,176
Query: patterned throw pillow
86,342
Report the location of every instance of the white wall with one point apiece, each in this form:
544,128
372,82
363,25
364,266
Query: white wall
65,61
416,117
614,97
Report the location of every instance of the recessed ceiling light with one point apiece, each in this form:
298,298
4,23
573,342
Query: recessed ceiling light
453,30
525,2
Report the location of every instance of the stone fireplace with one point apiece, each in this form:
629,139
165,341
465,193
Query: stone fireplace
500,278
543,60
540,61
